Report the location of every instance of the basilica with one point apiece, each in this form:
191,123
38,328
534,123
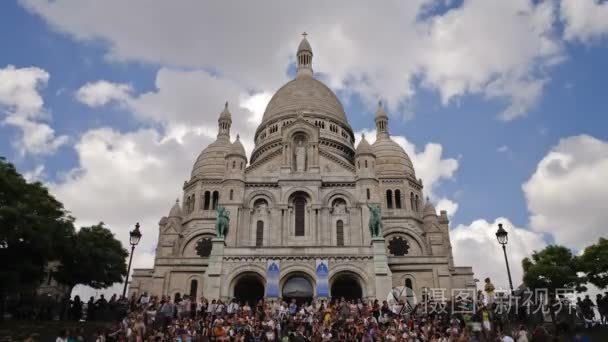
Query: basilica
299,209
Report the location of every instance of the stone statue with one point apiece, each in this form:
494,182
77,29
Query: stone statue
222,221
300,156
375,224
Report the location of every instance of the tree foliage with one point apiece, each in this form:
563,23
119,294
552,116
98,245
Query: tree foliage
553,268
95,258
594,263
34,229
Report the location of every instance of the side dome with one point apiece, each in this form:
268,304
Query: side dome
429,209
308,95
364,147
237,148
176,210
391,159
210,163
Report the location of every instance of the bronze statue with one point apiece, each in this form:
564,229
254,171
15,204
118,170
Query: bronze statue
375,224
222,221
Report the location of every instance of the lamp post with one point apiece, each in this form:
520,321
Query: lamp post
503,237
134,237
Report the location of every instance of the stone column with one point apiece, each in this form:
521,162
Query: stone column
382,272
214,270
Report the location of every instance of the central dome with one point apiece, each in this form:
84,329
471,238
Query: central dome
305,94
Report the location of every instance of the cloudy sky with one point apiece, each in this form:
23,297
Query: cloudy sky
500,104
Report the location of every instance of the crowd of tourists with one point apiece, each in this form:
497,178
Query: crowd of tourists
185,319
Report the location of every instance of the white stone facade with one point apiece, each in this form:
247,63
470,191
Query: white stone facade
303,196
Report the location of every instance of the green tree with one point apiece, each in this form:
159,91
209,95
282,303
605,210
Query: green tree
594,263
94,258
34,229
553,268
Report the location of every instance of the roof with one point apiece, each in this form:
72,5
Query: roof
391,159
176,210
364,147
237,148
210,163
305,94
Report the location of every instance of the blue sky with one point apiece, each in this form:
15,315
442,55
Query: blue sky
79,43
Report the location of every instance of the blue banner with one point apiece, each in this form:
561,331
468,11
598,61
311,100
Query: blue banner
322,273
273,271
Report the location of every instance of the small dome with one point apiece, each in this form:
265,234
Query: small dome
429,209
391,159
176,210
237,148
225,114
305,94
210,163
163,221
304,45
364,147
380,112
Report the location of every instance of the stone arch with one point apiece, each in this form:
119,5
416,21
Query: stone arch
389,232
288,271
200,286
297,270
364,280
287,196
188,239
335,193
240,271
300,127
260,193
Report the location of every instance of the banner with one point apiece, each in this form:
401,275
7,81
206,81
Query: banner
273,270
322,273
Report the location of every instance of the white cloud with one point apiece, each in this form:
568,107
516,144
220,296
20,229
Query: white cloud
101,92
187,102
23,107
503,149
448,205
584,20
567,192
476,245
127,178
494,48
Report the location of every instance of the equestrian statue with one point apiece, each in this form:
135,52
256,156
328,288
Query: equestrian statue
222,221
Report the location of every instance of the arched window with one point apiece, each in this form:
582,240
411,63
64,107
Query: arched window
340,233
398,199
389,199
231,194
366,163
299,203
359,165
368,193
241,165
408,283
412,201
259,234
416,202
206,200
187,204
233,164
193,289
216,197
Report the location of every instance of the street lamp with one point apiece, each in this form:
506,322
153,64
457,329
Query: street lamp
503,237
134,237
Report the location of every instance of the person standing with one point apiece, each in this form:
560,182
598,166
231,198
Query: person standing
489,289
